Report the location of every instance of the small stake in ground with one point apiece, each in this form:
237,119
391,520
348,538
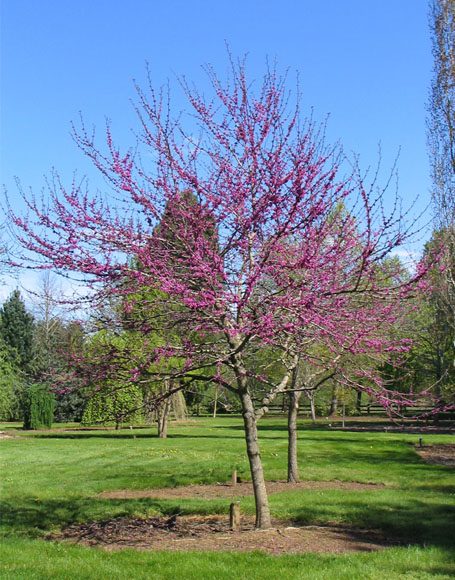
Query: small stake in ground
234,477
420,442
234,516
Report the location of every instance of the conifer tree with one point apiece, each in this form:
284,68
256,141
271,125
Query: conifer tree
17,328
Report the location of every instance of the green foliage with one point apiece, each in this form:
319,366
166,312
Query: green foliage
53,343
54,346
38,350
144,309
430,361
114,397
117,404
441,311
16,328
10,385
39,406
70,405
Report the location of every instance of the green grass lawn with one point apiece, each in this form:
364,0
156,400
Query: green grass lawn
52,478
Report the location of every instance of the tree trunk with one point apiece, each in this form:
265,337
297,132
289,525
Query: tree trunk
283,404
312,406
162,418
358,405
178,406
162,422
293,467
263,520
215,402
333,403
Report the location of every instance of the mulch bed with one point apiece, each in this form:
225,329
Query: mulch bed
394,428
438,454
212,533
223,490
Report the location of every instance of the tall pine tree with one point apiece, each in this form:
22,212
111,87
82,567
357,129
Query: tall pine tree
17,328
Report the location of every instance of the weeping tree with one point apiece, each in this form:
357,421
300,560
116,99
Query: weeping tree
38,407
142,316
266,187
114,403
112,397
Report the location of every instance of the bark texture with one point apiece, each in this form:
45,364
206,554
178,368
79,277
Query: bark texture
293,467
263,519
162,415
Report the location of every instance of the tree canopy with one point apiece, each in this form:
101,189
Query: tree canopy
233,223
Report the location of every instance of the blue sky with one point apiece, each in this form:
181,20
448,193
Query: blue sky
367,63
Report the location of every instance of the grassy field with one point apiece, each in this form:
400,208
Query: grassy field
52,478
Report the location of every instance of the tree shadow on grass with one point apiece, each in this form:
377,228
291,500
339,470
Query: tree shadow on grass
34,517
303,430
100,435
409,522
112,435
437,488
280,424
352,453
403,520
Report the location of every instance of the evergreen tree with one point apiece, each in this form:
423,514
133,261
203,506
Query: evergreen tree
68,341
17,328
10,385
57,343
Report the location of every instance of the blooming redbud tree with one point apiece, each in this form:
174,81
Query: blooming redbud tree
246,230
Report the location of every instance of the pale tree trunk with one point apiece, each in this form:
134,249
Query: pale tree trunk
263,519
311,395
178,404
293,467
162,419
162,413
333,403
215,403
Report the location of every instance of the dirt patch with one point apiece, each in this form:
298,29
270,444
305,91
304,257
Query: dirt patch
4,435
212,533
223,490
411,429
438,454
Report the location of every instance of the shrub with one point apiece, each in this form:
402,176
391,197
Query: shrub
39,406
